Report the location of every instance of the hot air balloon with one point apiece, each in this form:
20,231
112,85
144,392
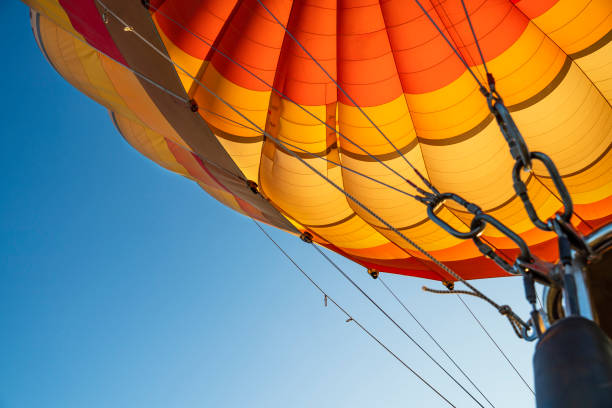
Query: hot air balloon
326,118
183,80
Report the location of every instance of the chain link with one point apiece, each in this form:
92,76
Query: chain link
530,267
521,190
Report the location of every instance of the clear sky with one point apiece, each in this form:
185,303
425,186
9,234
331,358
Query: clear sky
123,285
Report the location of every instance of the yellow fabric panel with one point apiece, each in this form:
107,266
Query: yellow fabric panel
449,111
96,75
149,143
479,168
351,236
297,190
253,104
598,67
311,201
245,155
398,209
430,237
527,67
101,78
52,10
593,184
137,100
393,119
576,24
574,114
60,48
190,64
289,123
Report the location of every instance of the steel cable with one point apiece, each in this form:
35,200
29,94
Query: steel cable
348,278
350,317
433,339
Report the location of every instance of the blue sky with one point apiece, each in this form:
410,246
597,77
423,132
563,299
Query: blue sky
124,285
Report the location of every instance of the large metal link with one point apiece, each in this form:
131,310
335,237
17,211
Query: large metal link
521,190
489,252
436,201
477,226
531,268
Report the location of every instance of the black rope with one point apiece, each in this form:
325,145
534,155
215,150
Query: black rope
467,15
395,323
502,309
350,317
483,89
434,340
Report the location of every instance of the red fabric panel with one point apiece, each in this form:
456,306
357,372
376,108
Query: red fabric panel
86,19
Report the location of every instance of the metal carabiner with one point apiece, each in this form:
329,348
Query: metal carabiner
439,199
521,190
516,142
523,247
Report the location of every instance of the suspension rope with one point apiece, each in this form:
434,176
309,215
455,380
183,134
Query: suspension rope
483,89
286,97
434,339
348,278
467,15
496,345
350,317
416,171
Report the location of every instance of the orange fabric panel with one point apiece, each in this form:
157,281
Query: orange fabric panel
183,21
425,61
534,8
313,24
366,68
253,39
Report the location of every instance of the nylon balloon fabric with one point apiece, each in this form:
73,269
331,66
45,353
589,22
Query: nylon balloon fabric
354,88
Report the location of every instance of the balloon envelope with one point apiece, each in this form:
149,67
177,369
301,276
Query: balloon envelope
346,85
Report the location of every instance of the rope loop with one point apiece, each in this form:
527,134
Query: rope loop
521,190
518,325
